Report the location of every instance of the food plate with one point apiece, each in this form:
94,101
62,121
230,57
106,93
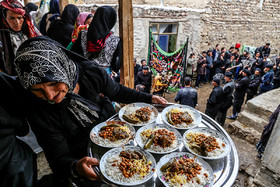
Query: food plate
216,153
205,180
195,116
97,138
168,132
111,163
129,110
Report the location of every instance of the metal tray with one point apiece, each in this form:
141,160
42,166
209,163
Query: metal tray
225,169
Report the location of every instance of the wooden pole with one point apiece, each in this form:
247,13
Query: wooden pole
126,35
25,2
62,4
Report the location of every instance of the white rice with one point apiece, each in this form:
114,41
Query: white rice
181,180
107,143
131,110
116,174
157,148
184,125
216,152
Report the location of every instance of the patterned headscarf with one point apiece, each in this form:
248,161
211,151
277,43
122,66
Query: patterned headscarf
16,7
40,60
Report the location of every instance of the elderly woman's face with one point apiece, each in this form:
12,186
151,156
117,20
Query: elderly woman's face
14,20
50,91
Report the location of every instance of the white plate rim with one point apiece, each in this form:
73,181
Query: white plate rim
100,125
121,112
197,121
210,131
118,150
140,144
167,157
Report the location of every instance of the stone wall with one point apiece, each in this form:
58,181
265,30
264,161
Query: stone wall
242,21
269,174
206,22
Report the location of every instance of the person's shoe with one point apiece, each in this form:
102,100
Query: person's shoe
259,155
233,117
196,87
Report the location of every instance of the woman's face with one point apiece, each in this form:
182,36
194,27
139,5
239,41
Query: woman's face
50,91
88,21
14,20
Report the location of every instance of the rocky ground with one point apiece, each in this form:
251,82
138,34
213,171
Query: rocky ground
249,163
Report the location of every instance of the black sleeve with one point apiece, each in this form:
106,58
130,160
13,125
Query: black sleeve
117,60
104,84
53,142
99,81
9,121
240,85
195,99
212,98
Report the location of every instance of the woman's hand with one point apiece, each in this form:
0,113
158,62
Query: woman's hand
158,100
84,167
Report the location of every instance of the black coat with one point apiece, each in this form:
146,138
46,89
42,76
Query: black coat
146,80
214,102
6,53
254,84
17,160
241,88
61,30
187,96
63,138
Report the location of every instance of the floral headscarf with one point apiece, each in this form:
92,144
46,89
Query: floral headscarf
40,60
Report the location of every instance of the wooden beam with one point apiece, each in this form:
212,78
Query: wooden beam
62,4
126,35
25,2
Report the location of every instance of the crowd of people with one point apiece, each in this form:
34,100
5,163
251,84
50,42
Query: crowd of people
246,74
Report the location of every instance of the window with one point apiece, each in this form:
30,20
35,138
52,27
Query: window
165,35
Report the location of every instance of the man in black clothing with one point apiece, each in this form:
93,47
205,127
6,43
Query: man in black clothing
227,98
136,67
187,95
255,81
264,50
239,93
143,64
214,102
144,77
276,78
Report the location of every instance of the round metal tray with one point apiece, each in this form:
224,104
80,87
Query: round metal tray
225,169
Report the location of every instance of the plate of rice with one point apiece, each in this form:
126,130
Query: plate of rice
206,143
181,117
158,138
127,166
138,114
184,169
112,134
